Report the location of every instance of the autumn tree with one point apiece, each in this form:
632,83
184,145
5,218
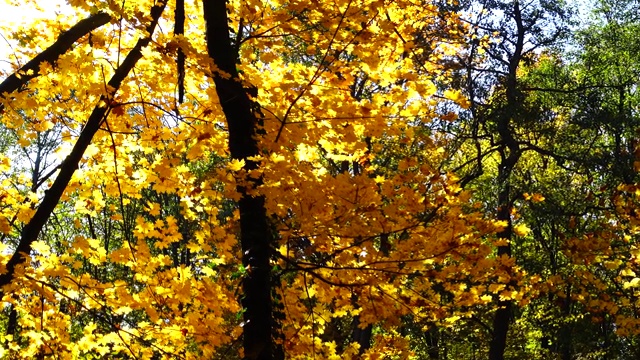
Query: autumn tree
355,179
217,186
563,183
500,127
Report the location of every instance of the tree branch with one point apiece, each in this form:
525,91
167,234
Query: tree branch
32,230
32,69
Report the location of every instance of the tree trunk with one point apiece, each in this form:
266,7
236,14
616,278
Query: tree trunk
502,316
510,153
243,118
432,338
361,336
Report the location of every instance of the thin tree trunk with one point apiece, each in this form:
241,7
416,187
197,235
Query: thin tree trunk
502,317
510,153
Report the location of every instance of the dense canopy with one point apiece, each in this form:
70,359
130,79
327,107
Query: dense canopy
353,179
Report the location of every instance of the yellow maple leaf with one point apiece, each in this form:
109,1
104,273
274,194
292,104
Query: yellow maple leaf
521,230
41,247
235,165
458,98
635,282
153,208
535,197
627,272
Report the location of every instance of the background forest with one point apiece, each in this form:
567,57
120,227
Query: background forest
345,179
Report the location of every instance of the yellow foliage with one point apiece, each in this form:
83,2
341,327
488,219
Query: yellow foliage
143,258
521,230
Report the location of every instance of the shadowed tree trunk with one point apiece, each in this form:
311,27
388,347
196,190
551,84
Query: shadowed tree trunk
243,118
361,336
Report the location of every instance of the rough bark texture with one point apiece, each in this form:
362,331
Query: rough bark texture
32,230
243,118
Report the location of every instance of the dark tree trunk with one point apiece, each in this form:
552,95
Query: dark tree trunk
510,153
243,119
361,336
12,323
502,317
432,338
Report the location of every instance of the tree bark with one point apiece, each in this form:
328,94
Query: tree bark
243,119
510,153
361,336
